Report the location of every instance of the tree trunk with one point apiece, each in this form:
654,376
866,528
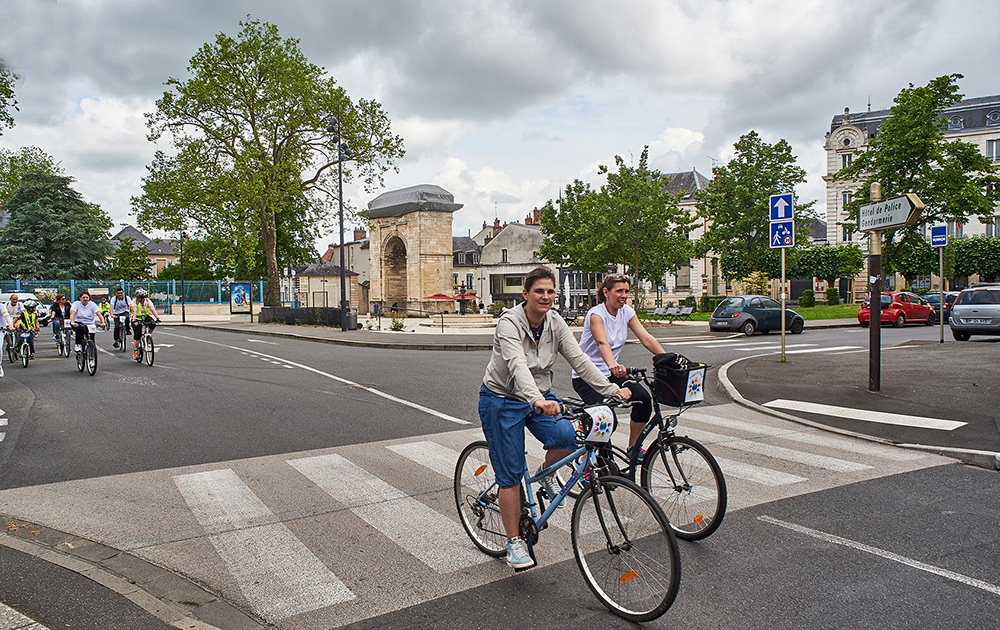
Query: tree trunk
269,238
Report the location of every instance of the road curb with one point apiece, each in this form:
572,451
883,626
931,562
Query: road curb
387,345
168,596
983,459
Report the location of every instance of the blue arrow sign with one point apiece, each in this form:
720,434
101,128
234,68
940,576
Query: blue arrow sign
782,234
939,236
781,207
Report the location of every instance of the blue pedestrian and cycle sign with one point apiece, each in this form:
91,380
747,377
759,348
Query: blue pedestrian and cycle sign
939,236
782,234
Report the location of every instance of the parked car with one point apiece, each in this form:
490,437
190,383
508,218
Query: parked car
748,313
976,311
42,310
899,308
934,299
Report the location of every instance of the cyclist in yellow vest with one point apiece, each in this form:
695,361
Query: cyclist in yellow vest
28,320
142,312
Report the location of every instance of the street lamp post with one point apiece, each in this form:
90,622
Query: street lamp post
183,314
343,151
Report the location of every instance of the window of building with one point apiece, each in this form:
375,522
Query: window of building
454,279
846,235
468,280
846,159
684,278
954,229
993,150
503,255
847,198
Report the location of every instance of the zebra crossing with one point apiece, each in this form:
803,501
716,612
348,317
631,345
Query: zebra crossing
325,538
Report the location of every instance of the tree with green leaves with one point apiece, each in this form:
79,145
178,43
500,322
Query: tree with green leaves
7,100
948,261
980,256
736,207
567,225
255,166
15,164
199,263
130,261
830,263
52,232
911,154
920,259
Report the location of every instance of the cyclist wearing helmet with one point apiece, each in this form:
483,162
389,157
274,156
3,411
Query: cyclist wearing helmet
122,307
144,313
28,320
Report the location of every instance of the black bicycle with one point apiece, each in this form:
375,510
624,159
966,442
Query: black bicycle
122,326
147,350
86,356
679,472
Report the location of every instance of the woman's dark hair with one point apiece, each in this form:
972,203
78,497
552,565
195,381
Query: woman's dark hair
83,293
609,283
537,274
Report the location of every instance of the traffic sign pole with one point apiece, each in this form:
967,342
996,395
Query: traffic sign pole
782,304
875,301
941,272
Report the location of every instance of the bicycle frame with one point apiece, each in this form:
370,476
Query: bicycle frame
578,473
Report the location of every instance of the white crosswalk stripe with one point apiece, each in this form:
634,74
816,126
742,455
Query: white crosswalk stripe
778,452
436,540
277,573
880,417
816,439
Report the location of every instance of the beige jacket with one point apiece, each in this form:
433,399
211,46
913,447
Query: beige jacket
523,370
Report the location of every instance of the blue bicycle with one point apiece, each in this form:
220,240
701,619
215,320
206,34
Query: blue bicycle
622,541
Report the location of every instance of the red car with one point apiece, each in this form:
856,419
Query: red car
898,308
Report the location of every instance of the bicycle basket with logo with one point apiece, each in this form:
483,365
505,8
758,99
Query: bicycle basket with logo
678,381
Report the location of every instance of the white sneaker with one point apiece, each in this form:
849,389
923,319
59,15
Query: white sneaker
552,487
517,554
77,347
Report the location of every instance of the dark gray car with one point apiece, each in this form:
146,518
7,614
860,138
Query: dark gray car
749,313
976,311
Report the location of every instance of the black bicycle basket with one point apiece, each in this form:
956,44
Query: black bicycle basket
678,381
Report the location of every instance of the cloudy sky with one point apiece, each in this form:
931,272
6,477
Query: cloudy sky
502,102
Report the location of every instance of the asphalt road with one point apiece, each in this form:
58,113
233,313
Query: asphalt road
152,460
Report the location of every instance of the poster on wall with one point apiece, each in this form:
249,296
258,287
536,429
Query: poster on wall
240,298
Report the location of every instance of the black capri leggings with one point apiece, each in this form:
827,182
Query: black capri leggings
642,406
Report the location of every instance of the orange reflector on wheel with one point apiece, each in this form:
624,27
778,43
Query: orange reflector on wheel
628,577
699,518
480,470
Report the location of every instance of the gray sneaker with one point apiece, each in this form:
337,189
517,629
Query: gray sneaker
552,487
517,554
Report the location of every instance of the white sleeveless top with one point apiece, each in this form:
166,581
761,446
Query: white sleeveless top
615,327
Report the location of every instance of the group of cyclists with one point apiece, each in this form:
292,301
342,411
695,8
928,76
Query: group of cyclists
17,315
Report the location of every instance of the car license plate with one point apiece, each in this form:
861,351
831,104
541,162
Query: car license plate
722,323
977,321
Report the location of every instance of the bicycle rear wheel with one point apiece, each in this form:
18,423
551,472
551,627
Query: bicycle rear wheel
25,354
91,357
688,484
148,350
625,549
476,497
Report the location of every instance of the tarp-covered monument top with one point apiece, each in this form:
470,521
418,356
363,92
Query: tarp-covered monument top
423,197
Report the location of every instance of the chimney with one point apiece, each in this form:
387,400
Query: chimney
534,214
359,234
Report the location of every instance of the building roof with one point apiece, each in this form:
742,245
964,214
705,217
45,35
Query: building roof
686,183
423,197
817,229
981,112
464,244
155,246
323,269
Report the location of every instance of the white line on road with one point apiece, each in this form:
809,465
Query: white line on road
276,572
440,459
270,343
864,415
371,390
778,452
888,555
402,519
766,346
830,349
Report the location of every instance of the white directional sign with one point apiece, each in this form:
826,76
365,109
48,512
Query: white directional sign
894,212
781,207
782,234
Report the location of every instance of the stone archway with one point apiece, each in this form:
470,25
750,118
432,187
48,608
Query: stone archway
394,272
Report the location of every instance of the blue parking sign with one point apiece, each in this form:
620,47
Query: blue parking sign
781,207
782,234
939,236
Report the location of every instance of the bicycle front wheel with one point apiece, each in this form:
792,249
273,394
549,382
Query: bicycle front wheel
477,499
148,350
625,549
688,484
25,354
91,357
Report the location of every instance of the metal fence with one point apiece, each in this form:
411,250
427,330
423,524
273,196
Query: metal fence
164,293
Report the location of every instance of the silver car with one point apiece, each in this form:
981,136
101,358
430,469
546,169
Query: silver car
976,311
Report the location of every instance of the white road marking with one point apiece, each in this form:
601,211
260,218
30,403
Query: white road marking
403,519
757,474
881,417
888,555
370,390
276,572
797,435
270,343
440,459
830,349
768,346
778,452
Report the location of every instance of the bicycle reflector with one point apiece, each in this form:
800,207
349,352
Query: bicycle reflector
628,577
480,470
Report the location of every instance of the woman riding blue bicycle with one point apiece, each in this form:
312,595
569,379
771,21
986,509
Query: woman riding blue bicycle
516,394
